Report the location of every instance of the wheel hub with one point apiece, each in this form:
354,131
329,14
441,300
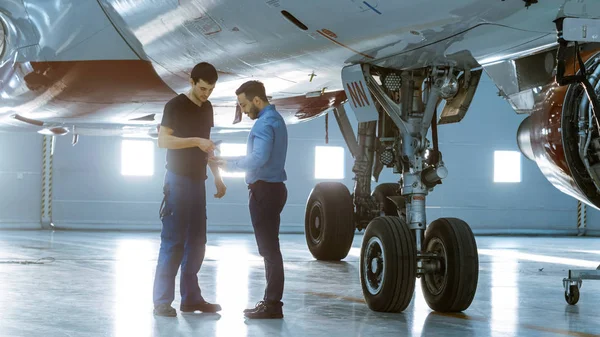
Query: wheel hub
436,280
315,226
374,268
374,263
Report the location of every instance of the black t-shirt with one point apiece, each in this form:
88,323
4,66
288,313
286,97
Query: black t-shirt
188,120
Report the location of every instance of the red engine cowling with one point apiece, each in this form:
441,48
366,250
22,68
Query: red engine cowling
562,135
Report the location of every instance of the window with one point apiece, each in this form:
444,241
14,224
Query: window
507,167
329,162
137,158
232,150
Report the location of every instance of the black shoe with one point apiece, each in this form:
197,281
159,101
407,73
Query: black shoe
204,307
265,310
164,310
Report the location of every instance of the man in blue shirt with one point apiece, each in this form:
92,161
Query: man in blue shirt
264,165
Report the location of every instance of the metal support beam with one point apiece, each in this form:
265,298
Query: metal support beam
583,274
395,112
46,206
433,99
346,128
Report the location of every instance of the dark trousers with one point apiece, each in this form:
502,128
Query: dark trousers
266,203
183,240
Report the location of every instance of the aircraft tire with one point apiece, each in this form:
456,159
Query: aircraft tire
453,288
388,264
328,222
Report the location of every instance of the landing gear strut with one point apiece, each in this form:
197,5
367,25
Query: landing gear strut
395,116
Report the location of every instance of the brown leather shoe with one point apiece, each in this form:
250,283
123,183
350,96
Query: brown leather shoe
256,306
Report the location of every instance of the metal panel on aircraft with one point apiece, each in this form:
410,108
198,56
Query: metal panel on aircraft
360,99
582,30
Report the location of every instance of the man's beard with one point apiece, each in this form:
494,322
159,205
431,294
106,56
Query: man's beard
254,110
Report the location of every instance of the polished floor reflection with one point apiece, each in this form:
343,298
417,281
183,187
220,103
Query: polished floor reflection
100,284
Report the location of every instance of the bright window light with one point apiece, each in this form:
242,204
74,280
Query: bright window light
507,167
329,162
232,150
137,158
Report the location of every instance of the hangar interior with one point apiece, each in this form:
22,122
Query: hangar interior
91,273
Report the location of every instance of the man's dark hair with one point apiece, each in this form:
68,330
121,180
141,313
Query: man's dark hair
206,72
252,89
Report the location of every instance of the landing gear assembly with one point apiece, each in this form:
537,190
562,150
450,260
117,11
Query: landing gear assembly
396,110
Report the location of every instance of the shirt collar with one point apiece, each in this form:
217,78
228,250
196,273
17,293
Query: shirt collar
265,109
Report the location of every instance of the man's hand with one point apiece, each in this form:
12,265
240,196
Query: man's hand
205,145
221,189
219,161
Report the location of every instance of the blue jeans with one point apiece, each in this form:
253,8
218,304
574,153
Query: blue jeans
183,240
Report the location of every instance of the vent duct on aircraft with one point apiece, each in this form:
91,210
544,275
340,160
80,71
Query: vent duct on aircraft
293,20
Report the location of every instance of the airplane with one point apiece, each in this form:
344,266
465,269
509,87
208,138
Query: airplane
107,67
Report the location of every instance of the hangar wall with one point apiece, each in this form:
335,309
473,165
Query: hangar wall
89,190
20,180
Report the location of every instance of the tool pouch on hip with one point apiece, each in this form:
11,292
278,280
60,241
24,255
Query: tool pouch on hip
164,211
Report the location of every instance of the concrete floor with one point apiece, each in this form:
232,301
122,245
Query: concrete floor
100,284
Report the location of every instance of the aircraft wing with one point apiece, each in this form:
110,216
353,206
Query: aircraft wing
113,64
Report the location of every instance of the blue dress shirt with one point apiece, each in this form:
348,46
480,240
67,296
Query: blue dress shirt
266,149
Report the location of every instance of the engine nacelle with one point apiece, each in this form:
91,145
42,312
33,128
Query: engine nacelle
562,135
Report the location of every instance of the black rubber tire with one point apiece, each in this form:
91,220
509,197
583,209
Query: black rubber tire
460,271
381,192
573,298
399,265
332,204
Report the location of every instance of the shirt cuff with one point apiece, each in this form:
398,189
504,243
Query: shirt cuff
231,163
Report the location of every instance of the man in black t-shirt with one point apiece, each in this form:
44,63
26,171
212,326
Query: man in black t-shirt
185,132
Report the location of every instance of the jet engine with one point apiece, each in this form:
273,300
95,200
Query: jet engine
562,134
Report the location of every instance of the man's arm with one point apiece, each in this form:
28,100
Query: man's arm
221,188
166,140
214,168
261,151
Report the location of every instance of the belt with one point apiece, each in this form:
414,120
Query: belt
262,182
